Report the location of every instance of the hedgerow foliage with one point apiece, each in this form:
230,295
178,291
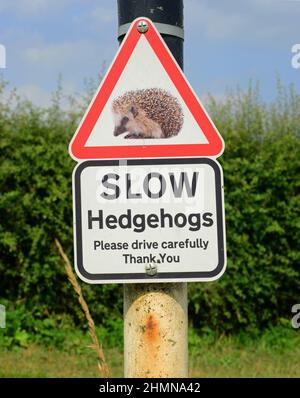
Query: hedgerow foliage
262,193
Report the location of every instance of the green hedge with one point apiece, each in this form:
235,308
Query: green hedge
262,194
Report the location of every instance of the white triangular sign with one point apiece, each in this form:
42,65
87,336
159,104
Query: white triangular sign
145,107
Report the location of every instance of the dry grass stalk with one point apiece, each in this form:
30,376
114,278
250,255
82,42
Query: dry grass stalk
102,364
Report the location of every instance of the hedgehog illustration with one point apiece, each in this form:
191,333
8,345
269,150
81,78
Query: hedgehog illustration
147,113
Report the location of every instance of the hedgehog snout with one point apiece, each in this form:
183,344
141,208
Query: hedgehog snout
121,127
119,130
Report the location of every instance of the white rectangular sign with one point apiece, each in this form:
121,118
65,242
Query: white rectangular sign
149,220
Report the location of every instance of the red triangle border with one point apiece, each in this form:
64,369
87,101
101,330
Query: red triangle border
213,148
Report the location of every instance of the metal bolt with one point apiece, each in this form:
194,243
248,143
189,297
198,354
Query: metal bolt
151,269
142,26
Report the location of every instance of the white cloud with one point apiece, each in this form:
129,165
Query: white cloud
73,60
251,20
99,18
32,7
102,14
59,55
30,92
103,11
35,94
42,97
212,20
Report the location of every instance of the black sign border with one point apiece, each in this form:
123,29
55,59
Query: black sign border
161,275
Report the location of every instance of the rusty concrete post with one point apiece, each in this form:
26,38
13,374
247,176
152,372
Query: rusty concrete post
155,314
155,330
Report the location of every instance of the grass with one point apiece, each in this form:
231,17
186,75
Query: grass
232,361
39,361
275,353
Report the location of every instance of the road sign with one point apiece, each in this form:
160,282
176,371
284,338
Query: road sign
149,220
145,107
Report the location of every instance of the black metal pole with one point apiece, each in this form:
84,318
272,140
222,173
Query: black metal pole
167,12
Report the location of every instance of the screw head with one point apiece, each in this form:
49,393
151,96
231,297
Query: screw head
151,269
142,26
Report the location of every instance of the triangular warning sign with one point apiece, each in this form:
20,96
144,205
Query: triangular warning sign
145,107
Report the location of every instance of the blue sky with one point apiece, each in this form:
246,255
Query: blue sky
227,43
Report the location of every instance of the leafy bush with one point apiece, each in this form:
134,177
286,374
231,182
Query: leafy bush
36,208
24,327
261,166
261,169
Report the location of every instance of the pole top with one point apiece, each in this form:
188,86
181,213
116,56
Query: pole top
159,11
167,15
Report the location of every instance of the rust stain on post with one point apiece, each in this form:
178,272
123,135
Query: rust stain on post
151,329
150,347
